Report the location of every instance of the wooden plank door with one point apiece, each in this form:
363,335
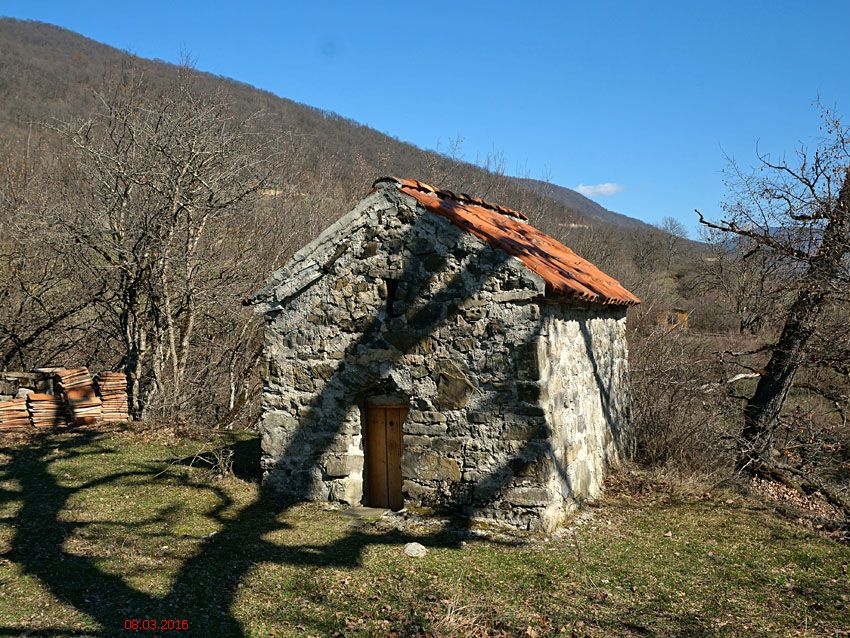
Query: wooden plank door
395,417
376,457
383,455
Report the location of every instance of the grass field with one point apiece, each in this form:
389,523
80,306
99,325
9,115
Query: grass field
99,529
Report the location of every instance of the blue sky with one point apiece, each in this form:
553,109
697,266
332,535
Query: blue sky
646,97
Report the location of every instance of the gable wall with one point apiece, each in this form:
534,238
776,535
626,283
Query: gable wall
455,343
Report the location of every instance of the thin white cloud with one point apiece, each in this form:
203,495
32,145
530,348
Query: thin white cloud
605,189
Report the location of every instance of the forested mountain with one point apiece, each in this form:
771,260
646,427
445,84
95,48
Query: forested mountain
159,296
49,72
580,204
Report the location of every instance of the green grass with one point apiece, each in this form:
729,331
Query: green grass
96,529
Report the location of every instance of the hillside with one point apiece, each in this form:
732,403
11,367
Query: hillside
67,303
582,205
48,72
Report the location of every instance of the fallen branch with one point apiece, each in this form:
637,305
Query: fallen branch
710,387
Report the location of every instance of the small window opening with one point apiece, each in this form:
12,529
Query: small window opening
392,294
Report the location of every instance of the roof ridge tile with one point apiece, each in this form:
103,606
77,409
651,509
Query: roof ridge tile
563,270
462,198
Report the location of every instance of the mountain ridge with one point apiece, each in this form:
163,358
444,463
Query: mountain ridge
581,203
50,70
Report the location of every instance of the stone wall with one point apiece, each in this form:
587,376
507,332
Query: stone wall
584,370
394,300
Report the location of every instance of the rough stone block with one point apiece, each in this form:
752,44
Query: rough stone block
273,442
426,416
417,492
524,430
428,429
348,490
454,386
416,441
481,417
274,419
342,465
429,466
302,379
529,496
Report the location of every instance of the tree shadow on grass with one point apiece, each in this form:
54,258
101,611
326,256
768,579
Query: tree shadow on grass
204,587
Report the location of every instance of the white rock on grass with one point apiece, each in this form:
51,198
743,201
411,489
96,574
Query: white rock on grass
415,549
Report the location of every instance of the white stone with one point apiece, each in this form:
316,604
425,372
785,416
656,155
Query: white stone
415,550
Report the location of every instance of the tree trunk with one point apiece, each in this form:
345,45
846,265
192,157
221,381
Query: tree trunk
761,414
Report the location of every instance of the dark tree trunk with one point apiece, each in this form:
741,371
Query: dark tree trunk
761,413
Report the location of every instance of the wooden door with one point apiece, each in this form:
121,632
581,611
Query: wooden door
383,455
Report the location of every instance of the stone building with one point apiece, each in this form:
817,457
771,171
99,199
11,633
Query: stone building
434,349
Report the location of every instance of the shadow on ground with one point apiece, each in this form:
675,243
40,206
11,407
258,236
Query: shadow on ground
204,588
241,458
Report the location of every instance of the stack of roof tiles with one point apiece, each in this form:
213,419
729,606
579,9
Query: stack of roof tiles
45,410
14,415
83,403
112,388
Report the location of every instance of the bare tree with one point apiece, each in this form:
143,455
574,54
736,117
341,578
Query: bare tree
675,234
799,213
36,302
745,283
163,178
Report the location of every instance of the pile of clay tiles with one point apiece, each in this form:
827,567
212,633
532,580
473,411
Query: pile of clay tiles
84,406
45,410
14,415
112,388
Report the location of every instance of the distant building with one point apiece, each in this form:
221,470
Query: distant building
674,318
434,349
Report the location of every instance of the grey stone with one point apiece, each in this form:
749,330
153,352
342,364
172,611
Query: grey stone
401,339
430,466
480,417
528,496
278,420
453,387
336,466
524,430
426,416
324,371
420,493
430,429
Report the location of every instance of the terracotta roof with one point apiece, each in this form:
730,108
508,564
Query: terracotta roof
563,271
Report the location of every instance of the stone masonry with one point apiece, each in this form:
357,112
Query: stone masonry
516,397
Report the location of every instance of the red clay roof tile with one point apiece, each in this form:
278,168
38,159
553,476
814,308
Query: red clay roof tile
563,271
